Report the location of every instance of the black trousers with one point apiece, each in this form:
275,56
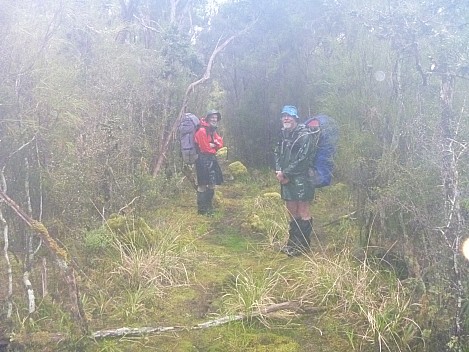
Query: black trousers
208,170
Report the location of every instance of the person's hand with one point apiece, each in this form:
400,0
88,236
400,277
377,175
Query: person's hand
281,177
212,145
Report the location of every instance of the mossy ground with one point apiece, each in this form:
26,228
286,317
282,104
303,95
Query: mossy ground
219,247
223,246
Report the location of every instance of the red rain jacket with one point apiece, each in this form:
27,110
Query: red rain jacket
206,135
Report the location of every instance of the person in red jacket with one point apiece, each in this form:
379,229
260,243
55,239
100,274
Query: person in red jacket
209,174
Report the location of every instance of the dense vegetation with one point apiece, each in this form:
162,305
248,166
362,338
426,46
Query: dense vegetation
92,188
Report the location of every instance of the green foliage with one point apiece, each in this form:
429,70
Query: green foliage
97,240
152,192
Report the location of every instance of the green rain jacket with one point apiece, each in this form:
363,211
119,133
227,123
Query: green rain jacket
294,154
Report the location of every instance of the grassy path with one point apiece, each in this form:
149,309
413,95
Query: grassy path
174,268
226,264
231,259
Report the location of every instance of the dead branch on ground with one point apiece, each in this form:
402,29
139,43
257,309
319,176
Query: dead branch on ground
291,305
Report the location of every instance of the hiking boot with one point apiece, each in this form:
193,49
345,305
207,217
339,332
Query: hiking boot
304,235
293,233
210,194
299,237
292,247
202,203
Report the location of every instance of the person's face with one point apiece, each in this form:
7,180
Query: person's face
288,122
212,120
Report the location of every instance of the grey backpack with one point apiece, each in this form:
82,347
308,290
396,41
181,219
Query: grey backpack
188,126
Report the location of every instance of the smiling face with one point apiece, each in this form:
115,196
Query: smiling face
289,122
212,120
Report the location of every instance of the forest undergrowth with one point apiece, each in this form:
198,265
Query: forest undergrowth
173,269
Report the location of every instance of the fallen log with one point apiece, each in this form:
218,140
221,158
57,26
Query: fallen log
42,339
120,332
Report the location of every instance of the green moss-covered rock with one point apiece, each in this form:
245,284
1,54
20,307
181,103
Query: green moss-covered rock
237,169
272,195
222,152
256,224
131,230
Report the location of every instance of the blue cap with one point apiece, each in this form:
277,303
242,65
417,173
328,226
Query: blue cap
290,110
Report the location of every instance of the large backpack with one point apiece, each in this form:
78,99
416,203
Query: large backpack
188,126
323,163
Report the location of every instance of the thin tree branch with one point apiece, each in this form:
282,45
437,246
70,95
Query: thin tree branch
61,256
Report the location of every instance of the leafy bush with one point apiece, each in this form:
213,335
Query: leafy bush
97,240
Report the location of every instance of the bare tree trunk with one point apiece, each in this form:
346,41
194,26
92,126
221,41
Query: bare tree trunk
29,252
44,280
9,303
172,16
453,226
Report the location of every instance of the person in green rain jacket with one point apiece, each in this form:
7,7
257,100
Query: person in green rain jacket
294,154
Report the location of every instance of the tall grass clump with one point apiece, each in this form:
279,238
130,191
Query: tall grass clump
370,306
249,292
160,263
268,216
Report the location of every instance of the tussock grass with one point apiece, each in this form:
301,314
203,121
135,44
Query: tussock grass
160,265
139,267
371,305
248,292
269,217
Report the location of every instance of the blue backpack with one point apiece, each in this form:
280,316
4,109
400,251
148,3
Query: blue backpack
323,164
188,126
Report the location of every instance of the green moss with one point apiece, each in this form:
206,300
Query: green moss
239,337
272,195
241,238
223,152
51,242
123,224
238,170
132,231
256,224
